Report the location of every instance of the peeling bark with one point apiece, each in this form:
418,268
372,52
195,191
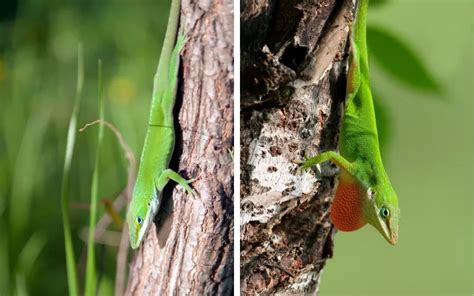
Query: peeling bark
190,250
293,87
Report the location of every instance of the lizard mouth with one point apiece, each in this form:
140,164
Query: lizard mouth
387,232
390,235
133,245
147,221
393,238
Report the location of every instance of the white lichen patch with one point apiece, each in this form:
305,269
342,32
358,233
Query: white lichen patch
276,172
304,280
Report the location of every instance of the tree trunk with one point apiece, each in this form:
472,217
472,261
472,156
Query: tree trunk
190,250
293,65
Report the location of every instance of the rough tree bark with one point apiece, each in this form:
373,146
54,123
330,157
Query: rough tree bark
293,65
190,250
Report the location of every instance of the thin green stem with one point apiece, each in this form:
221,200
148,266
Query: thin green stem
71,138
90,266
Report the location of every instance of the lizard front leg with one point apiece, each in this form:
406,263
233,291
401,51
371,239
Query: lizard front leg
328,156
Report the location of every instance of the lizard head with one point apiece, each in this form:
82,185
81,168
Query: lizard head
358,203
382,212
139,218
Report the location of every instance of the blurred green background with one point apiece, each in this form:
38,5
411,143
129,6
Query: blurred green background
38,66
429,156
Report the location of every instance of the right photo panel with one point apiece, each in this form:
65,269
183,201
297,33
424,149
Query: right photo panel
343,112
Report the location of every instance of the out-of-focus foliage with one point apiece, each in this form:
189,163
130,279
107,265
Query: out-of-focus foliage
38,52
399,60
402,63
374,3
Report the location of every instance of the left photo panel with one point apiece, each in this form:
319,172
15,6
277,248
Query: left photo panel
116,148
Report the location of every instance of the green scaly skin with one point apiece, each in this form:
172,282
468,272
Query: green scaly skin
154,173
359,155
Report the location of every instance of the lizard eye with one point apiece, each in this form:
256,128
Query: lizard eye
139,220
384,212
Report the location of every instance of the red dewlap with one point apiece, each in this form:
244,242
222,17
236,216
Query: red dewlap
346,210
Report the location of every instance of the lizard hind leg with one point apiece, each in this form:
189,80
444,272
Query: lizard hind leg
168,174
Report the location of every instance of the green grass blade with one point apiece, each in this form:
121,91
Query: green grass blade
71,138
5,259
30,253
90,266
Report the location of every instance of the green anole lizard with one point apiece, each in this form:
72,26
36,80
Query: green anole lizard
154,173
364,194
